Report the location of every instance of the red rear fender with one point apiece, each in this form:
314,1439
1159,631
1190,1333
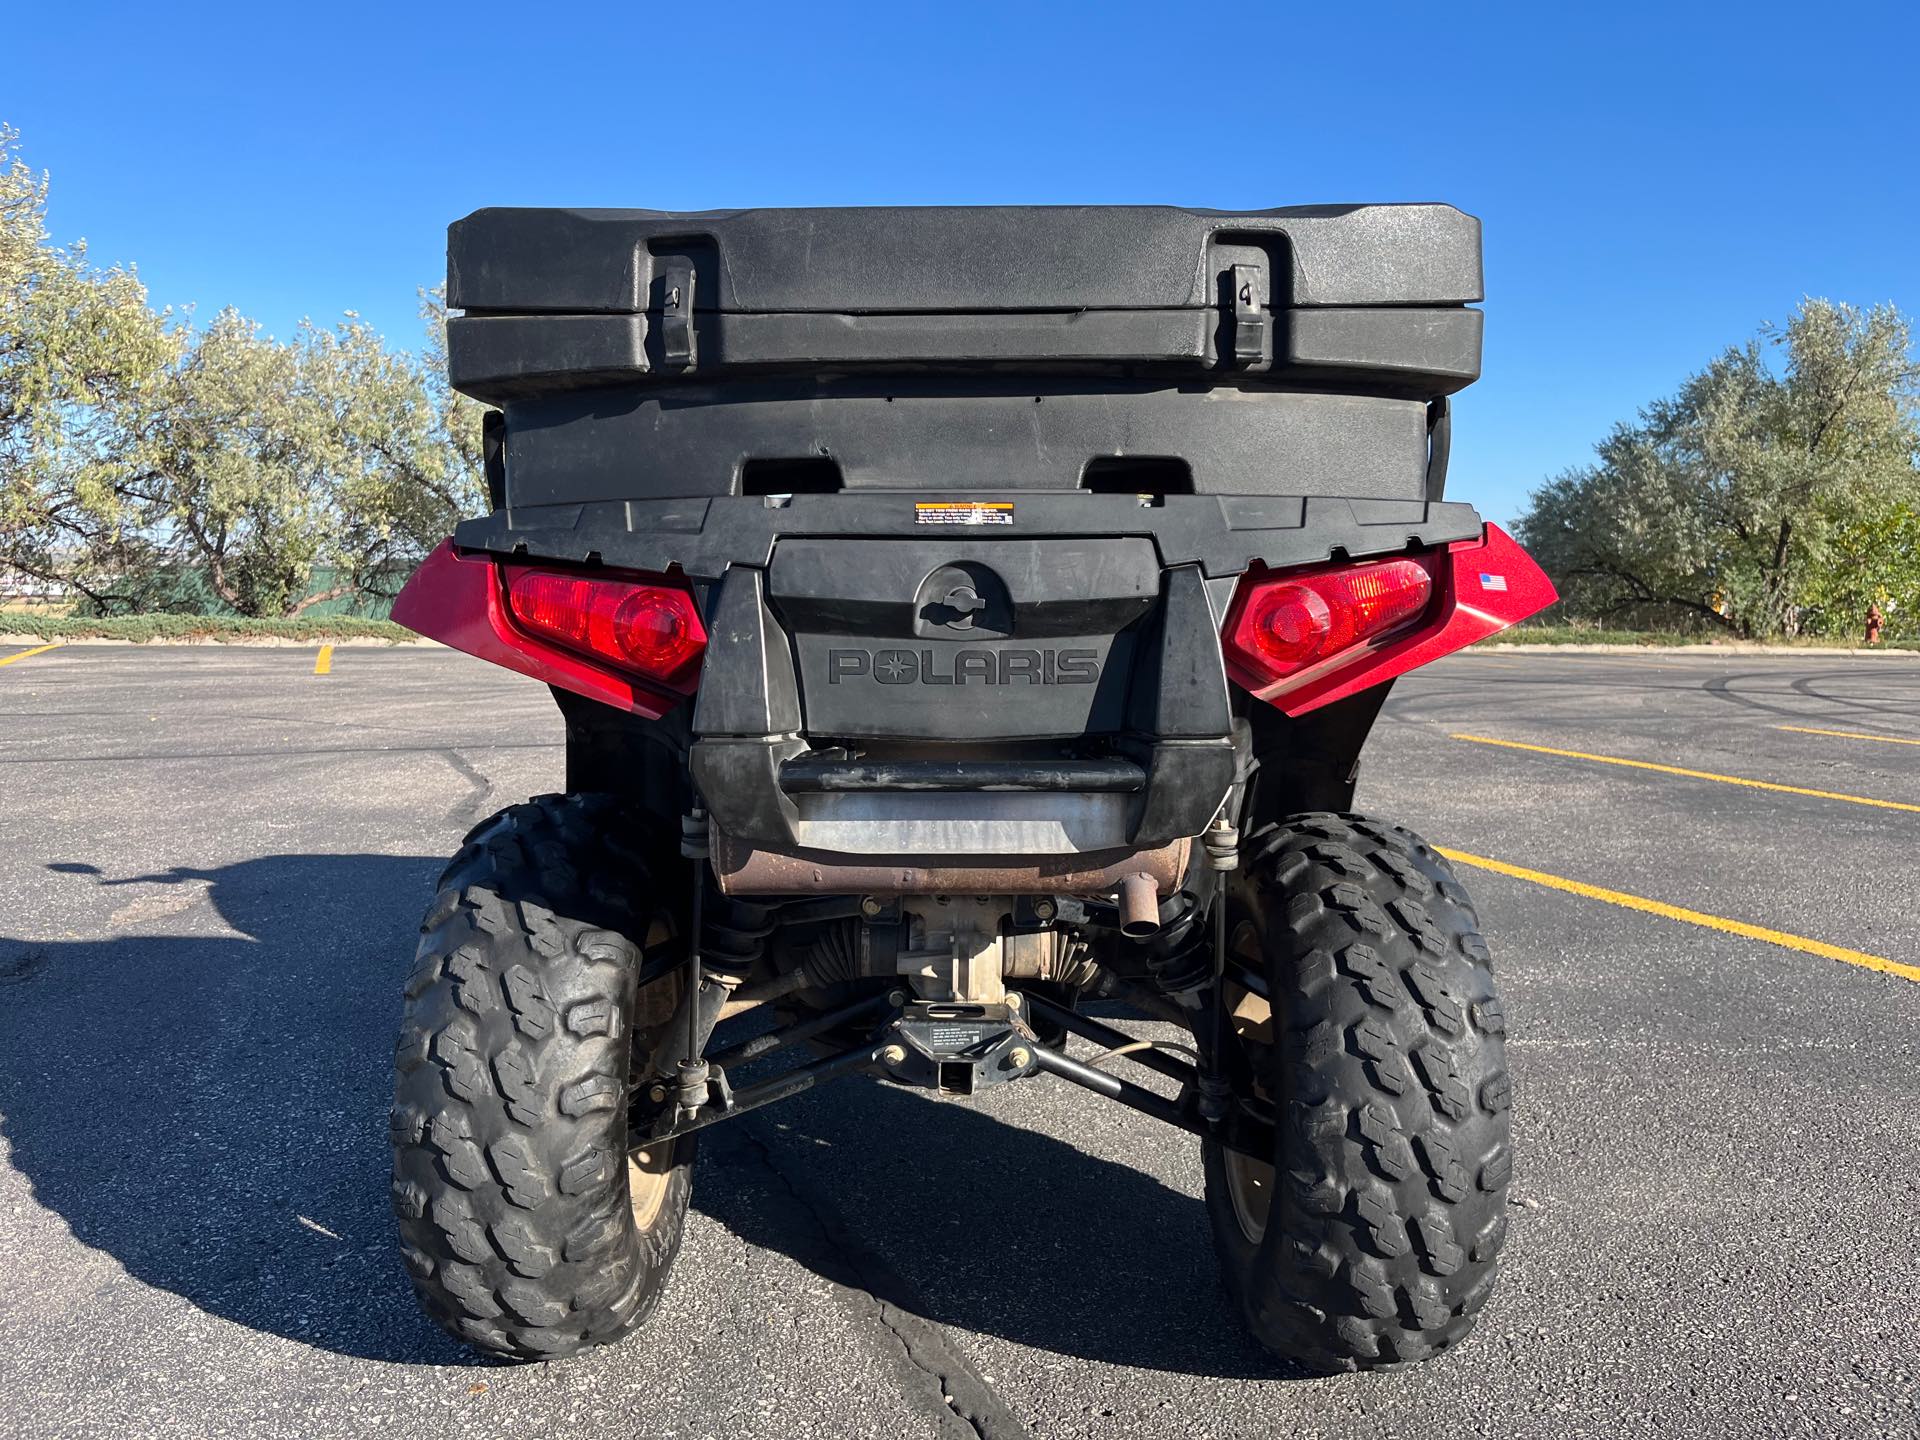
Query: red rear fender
460,600
1480,587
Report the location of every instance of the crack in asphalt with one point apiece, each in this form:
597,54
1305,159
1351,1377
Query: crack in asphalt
468,810
967,1407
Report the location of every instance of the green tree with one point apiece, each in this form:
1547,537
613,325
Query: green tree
1880,550
409,450
1734,501
272,461
79,346
144,461
239,465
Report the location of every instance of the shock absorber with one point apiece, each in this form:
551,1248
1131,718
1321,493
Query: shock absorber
734,936
691,1069
1222,841
728,937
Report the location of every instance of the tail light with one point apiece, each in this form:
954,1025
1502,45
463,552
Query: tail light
652,630
631,641
1300,639
1289,624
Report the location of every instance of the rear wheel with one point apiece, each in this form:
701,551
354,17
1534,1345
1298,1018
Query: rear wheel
1372,1238
529,1230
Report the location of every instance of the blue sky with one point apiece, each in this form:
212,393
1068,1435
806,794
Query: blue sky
1656,180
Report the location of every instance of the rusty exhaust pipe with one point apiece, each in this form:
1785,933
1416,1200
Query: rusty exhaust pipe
1139,907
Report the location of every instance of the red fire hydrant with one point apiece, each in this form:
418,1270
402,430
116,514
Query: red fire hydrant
1874,621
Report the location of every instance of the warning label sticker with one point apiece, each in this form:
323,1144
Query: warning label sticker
947,1039
963,512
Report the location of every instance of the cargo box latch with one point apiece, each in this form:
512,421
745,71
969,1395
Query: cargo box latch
674,312
1251,343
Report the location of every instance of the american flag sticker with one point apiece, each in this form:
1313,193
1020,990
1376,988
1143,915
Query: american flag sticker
1492,582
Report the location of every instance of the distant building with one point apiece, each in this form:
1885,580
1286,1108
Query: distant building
16,585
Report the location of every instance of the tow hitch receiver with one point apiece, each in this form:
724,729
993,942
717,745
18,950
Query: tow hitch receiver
957,1049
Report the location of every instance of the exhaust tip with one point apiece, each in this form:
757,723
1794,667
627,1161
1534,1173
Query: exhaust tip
1139,907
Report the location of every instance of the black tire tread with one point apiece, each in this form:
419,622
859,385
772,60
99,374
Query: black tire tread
509,1123
1390,1192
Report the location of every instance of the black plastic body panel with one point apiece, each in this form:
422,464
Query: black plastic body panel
622,444
812,775
1417,352
1047,653
840,666
750,689
1222,534
957,258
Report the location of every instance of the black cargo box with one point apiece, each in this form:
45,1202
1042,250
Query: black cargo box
640,354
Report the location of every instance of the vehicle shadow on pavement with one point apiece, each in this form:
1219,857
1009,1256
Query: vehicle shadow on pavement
211,1110
945,1212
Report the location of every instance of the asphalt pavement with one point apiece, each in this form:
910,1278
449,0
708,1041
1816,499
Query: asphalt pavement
212,863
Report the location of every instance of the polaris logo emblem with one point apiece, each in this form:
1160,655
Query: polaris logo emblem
965,667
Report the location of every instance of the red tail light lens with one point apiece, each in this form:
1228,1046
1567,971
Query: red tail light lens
1286,624
652,630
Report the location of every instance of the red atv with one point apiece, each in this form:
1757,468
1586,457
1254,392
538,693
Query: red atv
960,616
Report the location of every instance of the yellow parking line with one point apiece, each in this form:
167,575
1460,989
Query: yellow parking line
1691,917
1847,735
29,654
323,663
1693,774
